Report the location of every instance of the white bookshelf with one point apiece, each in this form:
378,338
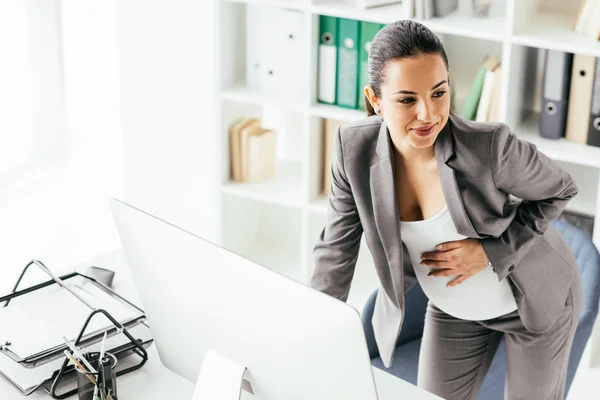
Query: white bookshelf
516,32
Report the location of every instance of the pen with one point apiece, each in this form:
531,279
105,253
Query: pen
76,363
99,364
78,354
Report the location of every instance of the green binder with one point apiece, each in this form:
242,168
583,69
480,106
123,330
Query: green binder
328,40
368,30
347,63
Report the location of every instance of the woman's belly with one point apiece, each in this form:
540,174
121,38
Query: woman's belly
480,297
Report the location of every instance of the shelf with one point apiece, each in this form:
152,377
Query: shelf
277,259
555,31
456,23
319,205
335,112
241,94
289,4
558,149
285,189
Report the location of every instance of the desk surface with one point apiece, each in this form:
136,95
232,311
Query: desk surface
155,382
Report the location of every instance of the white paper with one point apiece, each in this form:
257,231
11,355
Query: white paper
219,379
37,321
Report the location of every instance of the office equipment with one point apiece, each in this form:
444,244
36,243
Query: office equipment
555,93
32,354
296,343
328,42
368,30
594,120
580,97
347,68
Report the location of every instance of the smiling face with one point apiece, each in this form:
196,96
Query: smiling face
415,99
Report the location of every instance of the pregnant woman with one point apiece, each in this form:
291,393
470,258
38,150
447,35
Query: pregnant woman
431,193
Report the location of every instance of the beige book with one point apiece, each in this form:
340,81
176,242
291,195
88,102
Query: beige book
261,156
330,127
586,8
485,99
580,98
592,28
494,109
235,157
252,128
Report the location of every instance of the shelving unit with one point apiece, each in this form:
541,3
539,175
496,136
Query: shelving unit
516,32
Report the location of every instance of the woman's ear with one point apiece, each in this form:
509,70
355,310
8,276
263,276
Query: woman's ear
372,98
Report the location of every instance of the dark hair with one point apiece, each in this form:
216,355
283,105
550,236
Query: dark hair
400,39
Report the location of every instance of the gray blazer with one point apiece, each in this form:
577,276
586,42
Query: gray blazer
479,165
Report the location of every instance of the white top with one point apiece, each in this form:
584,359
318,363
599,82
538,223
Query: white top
477,298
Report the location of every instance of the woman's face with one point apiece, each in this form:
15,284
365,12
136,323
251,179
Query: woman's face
415,99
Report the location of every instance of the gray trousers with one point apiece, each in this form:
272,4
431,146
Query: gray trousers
456,354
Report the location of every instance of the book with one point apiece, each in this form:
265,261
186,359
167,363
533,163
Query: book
261,156
330,127
485,99
470,108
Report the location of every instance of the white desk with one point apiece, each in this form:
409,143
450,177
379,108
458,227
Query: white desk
155,382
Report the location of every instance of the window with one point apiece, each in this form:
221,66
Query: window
16,89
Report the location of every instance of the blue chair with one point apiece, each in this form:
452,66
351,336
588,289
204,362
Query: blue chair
406,357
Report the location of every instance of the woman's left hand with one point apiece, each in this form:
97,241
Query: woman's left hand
464,258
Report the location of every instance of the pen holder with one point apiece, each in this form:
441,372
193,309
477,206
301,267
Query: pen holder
105,378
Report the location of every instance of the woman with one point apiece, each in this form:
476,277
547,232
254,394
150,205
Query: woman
430,190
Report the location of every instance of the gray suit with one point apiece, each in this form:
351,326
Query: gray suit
479,165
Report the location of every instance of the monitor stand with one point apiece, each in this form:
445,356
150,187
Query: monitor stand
220,379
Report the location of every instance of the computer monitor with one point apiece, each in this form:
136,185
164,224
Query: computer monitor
296,342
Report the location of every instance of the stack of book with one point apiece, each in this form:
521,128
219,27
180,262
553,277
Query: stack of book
482,104
252,151
588,19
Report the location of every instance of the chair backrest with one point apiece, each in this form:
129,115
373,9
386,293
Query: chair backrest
588,260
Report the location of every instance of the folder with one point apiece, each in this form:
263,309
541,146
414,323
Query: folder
368,30
235,155
594,120
253,48
347,68
284,76
328,38
330,127
555,93
580,98
261,156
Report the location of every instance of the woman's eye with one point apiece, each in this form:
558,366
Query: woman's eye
407,100
439,94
